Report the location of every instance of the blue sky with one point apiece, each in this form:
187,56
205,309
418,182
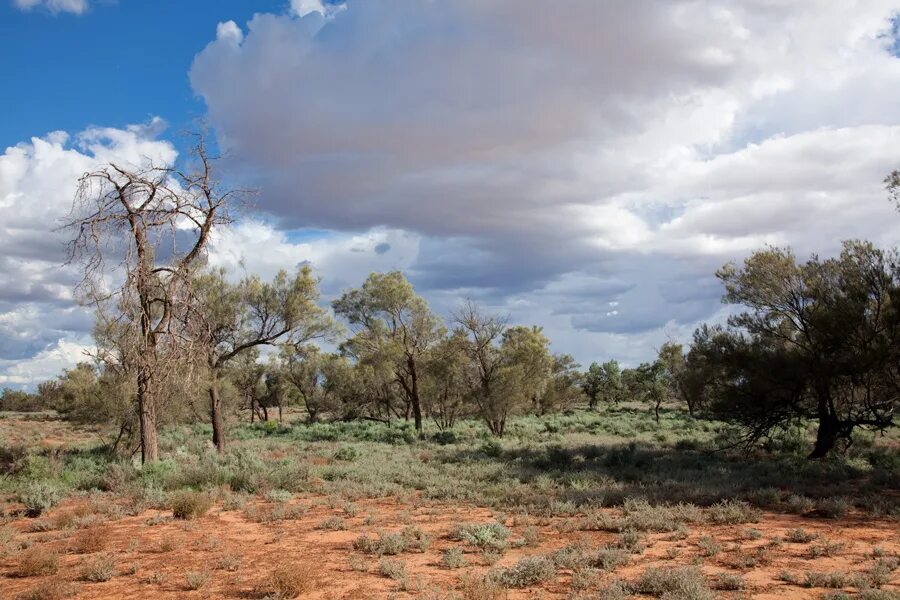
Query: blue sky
584,166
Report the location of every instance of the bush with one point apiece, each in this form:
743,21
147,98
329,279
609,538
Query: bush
334,523
678,583
394,569
834,579
384,544
39,496
833,508
51,589
485,536
37,560
279,496
733,512
194,580
188,504
90,540
529,570
99,569
729,582
453,558
291,580
799,536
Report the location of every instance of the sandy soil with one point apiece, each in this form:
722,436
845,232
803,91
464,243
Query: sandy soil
153,552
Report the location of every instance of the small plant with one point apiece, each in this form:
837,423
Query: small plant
825,548
788,577
37,560
279,496
228,562
751,533
617,590
799,536
481,588
385,544
675,583
91,540
529,570
833,579
631,541
733,512
416,538
194,580
98,570
291,580
610,558
728,581
334,523
708,546
51,589
188,504
453,558
346,453
39,496
531,536
800,505
393,569
486,536
833,508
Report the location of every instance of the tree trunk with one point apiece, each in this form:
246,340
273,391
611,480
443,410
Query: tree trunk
826,436
414,396
147,415
215,410
252,408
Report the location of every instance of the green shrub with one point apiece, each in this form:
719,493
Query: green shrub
677,583
194,580
833,508
99,569
453,558
485,536
834,579
733,512
39,496
799,536
529,570
279,496
188,504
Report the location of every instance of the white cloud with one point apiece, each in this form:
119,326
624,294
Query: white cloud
38,180
44,365
54,6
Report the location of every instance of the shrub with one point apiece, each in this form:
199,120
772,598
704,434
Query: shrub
486,536
393,569
878,595
228,562
617,590
384,544
529,570
99,569
453,558
799,505
39,496
708,546
609,558
291,580
834,579
833,508
678,583
37,560
194,580
416,538
279,496
188,504
481,588
728,581
825,548
90,540
346,453
334,523
733,512
799,536
631,541
51,589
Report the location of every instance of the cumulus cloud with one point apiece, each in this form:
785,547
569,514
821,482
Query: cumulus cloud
54,6
46,364
38,179
551,159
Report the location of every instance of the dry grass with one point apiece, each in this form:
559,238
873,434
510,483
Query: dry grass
290,580
88,541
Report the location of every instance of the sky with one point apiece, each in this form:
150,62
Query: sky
584,166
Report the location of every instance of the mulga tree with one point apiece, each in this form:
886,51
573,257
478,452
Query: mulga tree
818,340
146,227
446,381
393,328
231,318
563,389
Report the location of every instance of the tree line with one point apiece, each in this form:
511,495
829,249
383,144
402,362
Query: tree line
815,341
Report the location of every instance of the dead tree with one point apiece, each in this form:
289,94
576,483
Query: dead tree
130,223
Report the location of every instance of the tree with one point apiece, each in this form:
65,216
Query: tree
673,358
395,327
230,318
649,382
818,340
563,388
446,382
602,382
136,215
523,374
